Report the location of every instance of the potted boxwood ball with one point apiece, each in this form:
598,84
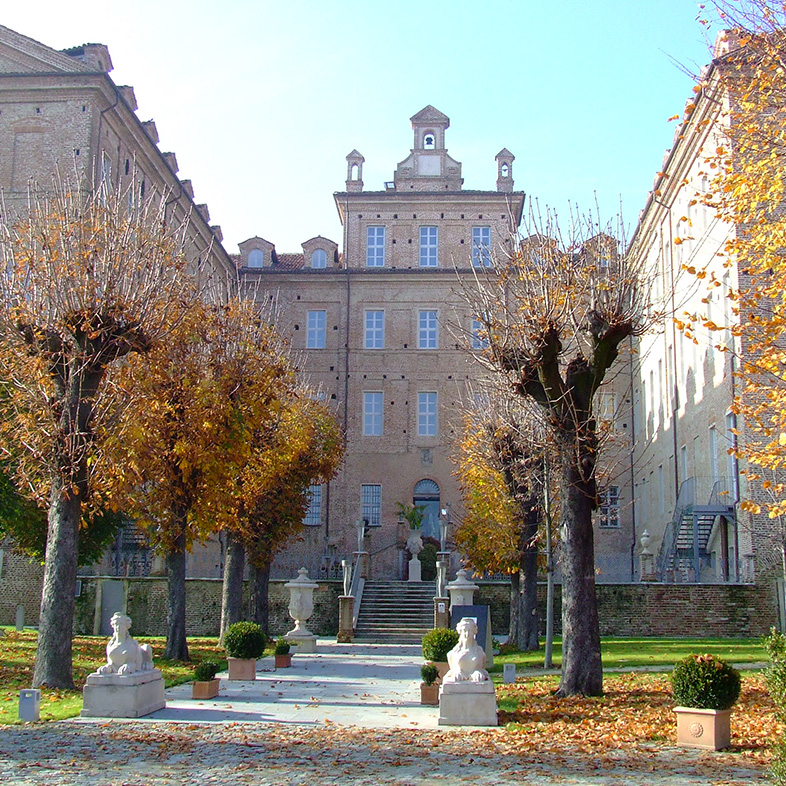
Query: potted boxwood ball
437,644
282,654
244,642
429,688
205,685
705,689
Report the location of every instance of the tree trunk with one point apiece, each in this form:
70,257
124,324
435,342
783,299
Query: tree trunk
260,583
56,620
582,672
528,621
76,394
232,594
176,645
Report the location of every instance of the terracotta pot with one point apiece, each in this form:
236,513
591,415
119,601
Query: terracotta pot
429,694
283,661
242,669
205,690
710,729
442,669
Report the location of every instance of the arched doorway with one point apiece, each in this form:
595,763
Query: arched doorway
426,495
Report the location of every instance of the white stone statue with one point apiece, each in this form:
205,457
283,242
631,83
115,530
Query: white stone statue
467,660
124,655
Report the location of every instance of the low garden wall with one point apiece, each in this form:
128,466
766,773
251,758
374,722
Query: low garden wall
686,610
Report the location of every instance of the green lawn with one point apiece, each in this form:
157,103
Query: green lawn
622,653
17,653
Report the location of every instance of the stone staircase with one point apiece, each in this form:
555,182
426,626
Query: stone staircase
395,612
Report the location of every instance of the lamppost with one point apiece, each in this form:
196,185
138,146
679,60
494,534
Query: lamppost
441,605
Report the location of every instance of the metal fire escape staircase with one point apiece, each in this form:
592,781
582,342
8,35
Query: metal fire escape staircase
685,553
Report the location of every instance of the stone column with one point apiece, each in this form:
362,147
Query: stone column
346,617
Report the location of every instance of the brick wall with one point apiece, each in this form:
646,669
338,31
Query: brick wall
688,610
146,605
20,585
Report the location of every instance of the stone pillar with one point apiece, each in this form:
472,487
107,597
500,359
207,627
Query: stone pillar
462,590
646,559
441,612
301,607
346,616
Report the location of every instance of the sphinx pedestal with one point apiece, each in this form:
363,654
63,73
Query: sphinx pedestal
127,696
467,704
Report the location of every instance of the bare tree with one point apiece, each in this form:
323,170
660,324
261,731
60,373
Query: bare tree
556,314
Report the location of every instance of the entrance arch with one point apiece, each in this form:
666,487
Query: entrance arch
426,495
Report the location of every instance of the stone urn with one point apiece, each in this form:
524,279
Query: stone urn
415,546
301,607
462,590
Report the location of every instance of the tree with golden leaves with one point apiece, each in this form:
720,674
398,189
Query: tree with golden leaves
86,284
303,448
557,313
207,395
501,468
748,191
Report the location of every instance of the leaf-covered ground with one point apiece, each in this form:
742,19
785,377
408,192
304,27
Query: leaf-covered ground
636,709
17,656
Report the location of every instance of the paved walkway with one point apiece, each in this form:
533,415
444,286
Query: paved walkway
350,714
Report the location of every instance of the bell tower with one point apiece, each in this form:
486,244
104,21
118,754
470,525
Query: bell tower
428,166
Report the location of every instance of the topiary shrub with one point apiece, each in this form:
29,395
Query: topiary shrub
282,647
206,671
429,673
245,640
705,682
438,643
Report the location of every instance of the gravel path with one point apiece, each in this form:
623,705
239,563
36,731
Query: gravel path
133,753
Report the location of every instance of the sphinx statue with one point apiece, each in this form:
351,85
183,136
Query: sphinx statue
467,660
123,654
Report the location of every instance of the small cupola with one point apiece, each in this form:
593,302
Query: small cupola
505,161
355,171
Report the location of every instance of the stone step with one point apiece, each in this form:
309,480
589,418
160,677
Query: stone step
396,612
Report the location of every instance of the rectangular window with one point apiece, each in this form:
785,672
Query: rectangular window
610,507
375,329
375,246
714,454
661,490
427,414
428,246
479,335
371,503
314,513
481,246
427,330
372,414
732,466
315,330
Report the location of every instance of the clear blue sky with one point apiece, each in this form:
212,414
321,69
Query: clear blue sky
261,100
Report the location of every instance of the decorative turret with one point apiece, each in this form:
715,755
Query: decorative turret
355,171
428,166
505,161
